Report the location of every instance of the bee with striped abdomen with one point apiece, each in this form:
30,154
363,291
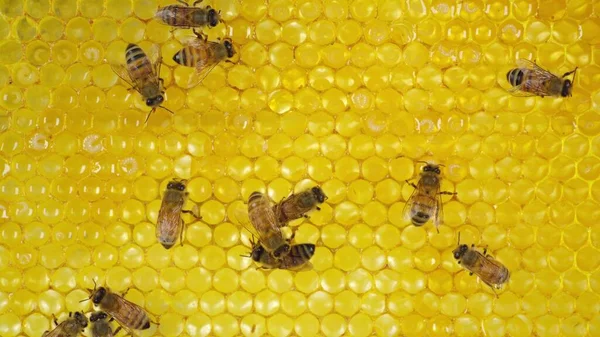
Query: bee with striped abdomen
143,75
70,327
169,224
264,221
186,16
204,55
489,270
101,325
425,202
297,205
128,314
531,80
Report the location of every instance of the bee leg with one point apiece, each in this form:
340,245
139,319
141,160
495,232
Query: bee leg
125,292
318,208
411,184
183,2
471,274
187,211
116,331
569,73
448,193
200,35
55,320
182,230
148,117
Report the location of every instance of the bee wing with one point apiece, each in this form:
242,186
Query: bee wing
410,202
241,217
126,309
304,267
203,67
170,213
56,332
122,72
488,269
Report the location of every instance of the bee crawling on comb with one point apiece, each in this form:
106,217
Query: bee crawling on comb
425,203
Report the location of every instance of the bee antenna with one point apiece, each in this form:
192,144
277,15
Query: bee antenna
459,238
171,111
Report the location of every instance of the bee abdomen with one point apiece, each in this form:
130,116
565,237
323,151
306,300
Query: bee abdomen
305,250
169,15
142,322
515,77
420,218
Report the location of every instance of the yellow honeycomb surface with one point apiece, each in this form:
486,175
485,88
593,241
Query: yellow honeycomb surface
345,94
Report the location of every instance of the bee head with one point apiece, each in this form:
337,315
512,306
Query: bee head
229,46
318,193
98,295
432,168
81,319
155,101
176,185
460,251
257,252
213,17
567,89
97,316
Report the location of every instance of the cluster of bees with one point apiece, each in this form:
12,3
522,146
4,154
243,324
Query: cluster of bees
270,247
142,71
129,315
143,74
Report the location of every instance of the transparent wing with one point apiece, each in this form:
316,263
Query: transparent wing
406,212
201,74
539,72
207,65
126,309
241,217
122,72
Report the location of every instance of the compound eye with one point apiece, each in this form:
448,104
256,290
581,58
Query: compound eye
437,171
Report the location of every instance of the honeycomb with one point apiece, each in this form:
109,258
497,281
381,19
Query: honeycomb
348,95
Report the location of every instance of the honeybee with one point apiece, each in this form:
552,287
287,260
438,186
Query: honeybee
128,314
426,200
101,325
531,80
143,75
169,225
70,327
187,16
262,217
489,270
297,205
298,257
204,55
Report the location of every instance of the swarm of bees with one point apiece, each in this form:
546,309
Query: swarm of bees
268,221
